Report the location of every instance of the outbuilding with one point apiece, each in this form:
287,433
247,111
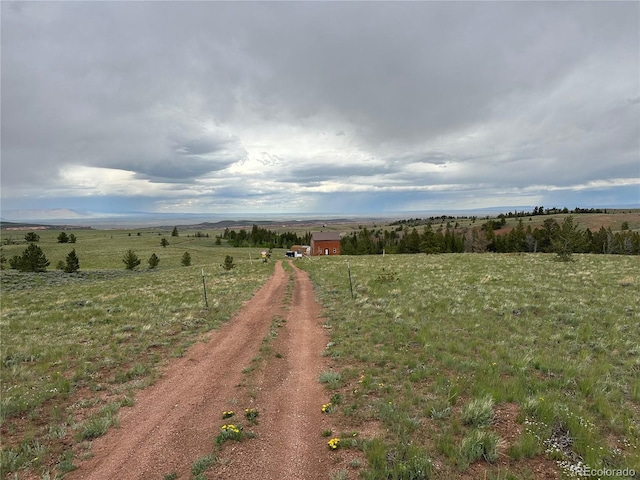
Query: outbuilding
325,243
301,250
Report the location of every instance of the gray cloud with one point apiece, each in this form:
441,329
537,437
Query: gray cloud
239,99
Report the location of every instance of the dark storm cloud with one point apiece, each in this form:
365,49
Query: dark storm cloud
413,70
304,174
317,95
185,158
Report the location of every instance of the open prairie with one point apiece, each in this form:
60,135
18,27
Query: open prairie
492,366
77,347
438,366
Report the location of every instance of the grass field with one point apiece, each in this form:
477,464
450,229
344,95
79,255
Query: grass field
76,347
467,365
441,349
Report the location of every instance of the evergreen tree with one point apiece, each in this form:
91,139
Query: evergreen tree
153,261
130,260
164,242
72,262
32,260
186,259
228,263
412,242
32,237
429,241
530,242
566,240
63,238
545,236
72,238
14,261
516,238
348,244
175,232
365,245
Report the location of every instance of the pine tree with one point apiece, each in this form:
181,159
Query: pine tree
566,240
228,263
175,232
153,261
186,259
73,263
130,260
32,237
32,260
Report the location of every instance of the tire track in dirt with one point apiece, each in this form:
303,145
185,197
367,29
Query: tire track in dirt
174,422
301,395
289,443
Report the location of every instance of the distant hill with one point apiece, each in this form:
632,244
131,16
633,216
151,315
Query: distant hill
5,225
64,218
250,223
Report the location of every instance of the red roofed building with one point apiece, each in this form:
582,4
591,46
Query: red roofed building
325,243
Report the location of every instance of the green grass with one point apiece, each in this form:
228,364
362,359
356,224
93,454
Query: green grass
98,425
478,412
527,446
408,462
102,331
479,444
331,379
422,348
433,351
202,464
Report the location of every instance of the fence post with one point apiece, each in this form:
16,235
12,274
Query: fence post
350,283
204,288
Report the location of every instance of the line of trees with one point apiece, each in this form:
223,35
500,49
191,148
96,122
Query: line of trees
33,259
552,211
261,237
541,210
33,237
552,237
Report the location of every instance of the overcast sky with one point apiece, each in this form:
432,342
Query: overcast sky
332,107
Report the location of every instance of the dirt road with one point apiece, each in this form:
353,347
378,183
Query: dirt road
175,422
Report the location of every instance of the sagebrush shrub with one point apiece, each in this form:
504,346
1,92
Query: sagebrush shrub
479,444
478,412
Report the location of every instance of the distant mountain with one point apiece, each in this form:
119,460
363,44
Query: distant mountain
5,225
80,219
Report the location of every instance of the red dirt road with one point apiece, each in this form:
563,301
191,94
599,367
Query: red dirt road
175,422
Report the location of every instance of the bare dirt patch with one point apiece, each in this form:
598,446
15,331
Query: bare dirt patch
286,391
175,422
